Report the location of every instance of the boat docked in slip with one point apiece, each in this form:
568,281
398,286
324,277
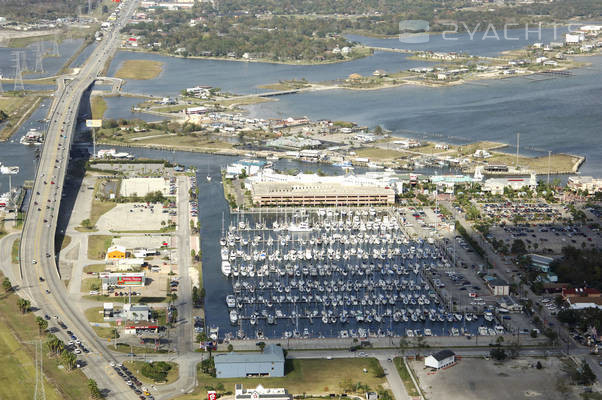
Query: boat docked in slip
226,268
233,317
33,136
230,301
488,316
301,227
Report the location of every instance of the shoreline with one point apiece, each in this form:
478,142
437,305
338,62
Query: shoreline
255,60
282,155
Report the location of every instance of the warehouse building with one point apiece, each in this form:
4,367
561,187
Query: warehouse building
319,193
240,365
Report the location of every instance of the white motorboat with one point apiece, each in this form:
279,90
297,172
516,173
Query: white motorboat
231,301
233,317
226,268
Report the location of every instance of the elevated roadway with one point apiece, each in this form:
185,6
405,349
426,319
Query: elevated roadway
41,282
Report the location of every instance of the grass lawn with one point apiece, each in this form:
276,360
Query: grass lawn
90,284
312,376
94,314
98,245
98,106
404,374
103,332
187,142
139,69
558,162
125,348
377,154
18,373
95,268
99,208
18,109
136,366
14,253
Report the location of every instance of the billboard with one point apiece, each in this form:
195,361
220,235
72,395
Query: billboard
211,395
94,123
122,279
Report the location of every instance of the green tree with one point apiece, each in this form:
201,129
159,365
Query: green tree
42,324
6,285
95,393
68,359
23,305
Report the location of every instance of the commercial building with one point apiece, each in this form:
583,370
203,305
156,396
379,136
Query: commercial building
582,302
135,312
240,365
497,185
115,253
499,287
319,193
121,279
440,359
587,183
260,393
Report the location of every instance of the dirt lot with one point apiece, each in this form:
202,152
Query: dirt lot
476,379
133,217
142,186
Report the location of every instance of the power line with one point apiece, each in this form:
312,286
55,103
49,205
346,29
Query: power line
18,71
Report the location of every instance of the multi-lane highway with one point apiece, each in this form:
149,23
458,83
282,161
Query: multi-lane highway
38,269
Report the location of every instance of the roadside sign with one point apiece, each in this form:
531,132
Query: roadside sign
94,123
211,395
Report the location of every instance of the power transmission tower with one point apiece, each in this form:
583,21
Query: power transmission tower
18,71
40,390
55,47
39,59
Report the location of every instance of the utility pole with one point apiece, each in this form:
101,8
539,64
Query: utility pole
1,88
549,165
517,148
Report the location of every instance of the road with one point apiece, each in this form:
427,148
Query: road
566,341
41,282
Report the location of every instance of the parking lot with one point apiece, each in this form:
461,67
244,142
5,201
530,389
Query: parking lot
136,217
477,378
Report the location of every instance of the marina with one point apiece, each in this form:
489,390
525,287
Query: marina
339,272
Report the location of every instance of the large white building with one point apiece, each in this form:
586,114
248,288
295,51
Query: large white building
588,183
440,359
497,185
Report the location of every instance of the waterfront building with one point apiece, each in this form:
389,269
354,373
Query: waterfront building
587,183
290,142
249,167
319,193
440,359
499,287
261,393
270,363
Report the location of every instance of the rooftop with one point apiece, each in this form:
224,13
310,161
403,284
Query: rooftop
316,188
271,353
443,354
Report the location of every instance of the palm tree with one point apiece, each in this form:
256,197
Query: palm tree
6,285
24,305
42,324
68,359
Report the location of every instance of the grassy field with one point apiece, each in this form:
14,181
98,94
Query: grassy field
98,106
236,101
187,142
90,284
18,109
95,268
98,245
14,253
311,376
17,377
94,314
139,69
557,162
136,366
405,377
99,208
376,154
